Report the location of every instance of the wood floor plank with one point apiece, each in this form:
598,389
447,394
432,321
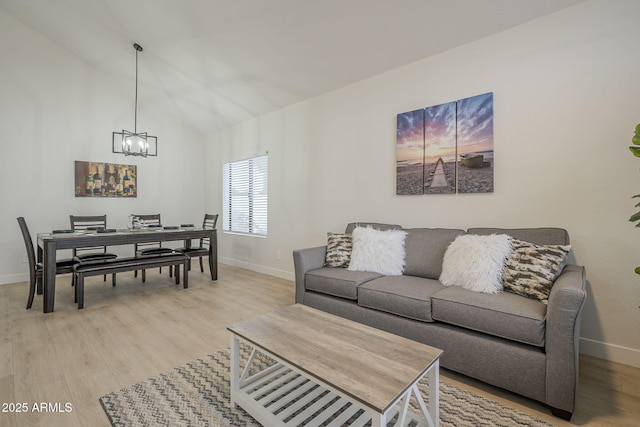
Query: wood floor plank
136,330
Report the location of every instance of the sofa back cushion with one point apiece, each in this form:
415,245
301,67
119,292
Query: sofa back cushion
425,248
539,236
375,225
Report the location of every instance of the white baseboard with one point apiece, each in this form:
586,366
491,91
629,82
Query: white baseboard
611,352
5,279
258,268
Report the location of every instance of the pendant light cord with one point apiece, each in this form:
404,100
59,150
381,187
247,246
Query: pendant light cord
135,113
138,48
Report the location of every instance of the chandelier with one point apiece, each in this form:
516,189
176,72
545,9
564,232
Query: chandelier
134,143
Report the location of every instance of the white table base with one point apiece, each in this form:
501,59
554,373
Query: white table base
282,396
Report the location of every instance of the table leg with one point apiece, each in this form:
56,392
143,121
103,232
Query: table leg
434,392
185,275
379,420
213,256
39,279
49,276
431,412
235,369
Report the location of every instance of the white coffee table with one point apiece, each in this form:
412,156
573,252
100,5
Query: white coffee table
330,368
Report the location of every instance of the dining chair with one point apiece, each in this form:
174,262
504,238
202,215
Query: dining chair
94,253
63,266
202,250
151,248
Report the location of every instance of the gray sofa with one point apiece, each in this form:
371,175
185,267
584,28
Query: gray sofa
506,340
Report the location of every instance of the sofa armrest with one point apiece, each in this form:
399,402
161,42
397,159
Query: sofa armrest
303,261
562,336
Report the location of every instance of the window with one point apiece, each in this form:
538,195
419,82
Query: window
245,196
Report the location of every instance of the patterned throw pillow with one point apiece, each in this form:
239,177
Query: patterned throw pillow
531,269
339,248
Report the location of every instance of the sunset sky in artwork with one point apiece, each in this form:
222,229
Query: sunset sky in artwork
426,135
475,124
440,132
410,137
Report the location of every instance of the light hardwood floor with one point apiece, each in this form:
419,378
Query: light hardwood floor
134,331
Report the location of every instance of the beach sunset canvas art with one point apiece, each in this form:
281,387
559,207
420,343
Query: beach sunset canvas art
446,148
410,153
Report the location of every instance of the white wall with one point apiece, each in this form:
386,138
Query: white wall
566,101
55,109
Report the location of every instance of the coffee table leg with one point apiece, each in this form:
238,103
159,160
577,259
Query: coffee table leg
434,392
430,413
235,369
379,420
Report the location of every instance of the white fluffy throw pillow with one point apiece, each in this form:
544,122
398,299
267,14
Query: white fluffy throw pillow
378,251
476,262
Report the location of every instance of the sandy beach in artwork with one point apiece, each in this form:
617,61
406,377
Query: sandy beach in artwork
409,179
413,179
476,180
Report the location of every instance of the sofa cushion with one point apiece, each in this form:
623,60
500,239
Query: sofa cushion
338,282
406,296
504,315
425,249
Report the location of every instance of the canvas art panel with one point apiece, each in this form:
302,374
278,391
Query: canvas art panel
410,153
98,179
440,149
475,144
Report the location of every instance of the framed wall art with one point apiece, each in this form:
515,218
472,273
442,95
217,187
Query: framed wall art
447,148
97,179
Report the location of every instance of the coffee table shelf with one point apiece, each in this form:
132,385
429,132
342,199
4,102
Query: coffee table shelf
281,396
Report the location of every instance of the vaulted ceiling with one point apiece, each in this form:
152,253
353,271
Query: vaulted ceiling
219,62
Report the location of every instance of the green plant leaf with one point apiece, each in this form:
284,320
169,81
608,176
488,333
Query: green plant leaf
637,270
635,151
635,217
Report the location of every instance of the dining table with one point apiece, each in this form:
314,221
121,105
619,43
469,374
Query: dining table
49,243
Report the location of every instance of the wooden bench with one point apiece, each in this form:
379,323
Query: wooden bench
119,265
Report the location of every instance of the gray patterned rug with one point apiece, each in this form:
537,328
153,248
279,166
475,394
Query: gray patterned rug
197,394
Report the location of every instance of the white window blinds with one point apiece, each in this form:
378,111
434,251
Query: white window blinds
245,196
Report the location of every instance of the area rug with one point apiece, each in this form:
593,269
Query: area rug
197,394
